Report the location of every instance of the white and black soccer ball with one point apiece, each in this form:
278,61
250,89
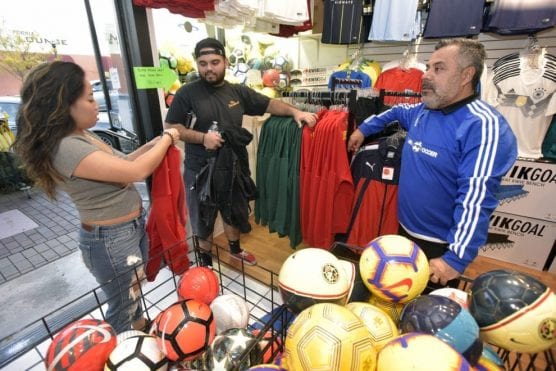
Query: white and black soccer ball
237,56
240,72
281,63
137,353
228,350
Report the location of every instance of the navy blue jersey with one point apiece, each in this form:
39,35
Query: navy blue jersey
343,22
520,16
452,18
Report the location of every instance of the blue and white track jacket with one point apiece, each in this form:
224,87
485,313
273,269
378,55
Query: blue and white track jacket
452,164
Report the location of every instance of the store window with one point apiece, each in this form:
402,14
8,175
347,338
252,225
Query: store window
65,30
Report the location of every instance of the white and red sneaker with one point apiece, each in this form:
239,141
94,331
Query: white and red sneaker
247,257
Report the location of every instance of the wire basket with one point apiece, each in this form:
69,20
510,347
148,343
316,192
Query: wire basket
255,284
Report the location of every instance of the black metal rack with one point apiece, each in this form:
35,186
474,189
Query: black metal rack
31,336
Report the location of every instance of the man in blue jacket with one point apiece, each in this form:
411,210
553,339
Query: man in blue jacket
456,151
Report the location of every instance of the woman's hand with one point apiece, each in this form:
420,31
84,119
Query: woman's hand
174,134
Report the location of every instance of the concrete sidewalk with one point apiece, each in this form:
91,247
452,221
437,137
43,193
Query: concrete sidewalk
54,237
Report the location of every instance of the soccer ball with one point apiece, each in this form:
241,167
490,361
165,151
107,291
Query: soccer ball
137,353
185,330
459,296
310,276
394,268
283,81
514,311
199,283
357,289
265,367
230,311
227,350
328,336
127,334
381,327
490,360
393,310
270,343
415,351
447,320
271,78
255,63
240,72
84,344
269,92
281,63
237,56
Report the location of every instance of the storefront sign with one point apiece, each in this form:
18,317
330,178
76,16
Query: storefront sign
154,77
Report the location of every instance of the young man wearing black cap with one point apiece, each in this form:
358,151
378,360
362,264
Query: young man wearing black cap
211,99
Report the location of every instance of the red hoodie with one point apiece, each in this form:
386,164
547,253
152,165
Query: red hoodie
167,218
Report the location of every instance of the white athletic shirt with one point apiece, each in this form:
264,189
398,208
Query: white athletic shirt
395,20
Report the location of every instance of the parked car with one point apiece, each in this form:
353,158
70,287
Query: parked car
112,133
98,94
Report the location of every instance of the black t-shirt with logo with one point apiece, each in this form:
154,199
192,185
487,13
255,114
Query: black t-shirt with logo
225,104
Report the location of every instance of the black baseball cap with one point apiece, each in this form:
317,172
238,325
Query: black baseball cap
209,43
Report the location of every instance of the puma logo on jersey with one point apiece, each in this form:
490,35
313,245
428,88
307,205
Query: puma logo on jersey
233,103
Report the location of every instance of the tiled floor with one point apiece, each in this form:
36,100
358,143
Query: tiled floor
161,293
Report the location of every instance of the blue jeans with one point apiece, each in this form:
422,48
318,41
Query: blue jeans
116,255
199,228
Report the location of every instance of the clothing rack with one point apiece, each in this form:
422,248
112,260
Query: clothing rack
388,93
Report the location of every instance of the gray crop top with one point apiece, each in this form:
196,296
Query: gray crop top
94,200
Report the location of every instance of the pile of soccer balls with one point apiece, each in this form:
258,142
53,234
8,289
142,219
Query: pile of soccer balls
401,328
331,324
265,69
202,330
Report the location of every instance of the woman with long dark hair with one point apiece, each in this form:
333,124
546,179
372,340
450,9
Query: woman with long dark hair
59,152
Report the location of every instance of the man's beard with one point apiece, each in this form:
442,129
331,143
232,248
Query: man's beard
430,99
215,79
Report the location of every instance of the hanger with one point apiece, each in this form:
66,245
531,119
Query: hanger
533,53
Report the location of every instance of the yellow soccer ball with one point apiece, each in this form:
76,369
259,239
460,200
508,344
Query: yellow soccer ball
328,336
380,325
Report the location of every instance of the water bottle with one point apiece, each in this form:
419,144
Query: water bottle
213,129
